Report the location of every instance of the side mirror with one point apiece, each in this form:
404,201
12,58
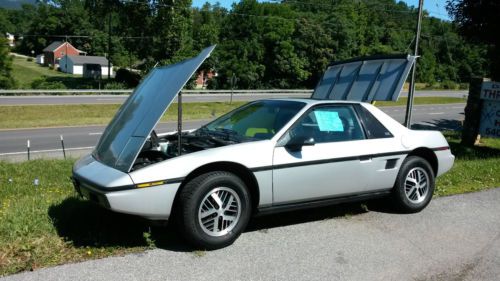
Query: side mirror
297,142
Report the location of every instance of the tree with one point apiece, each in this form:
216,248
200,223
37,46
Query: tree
5,24
283,44
173,40
6,79
478,21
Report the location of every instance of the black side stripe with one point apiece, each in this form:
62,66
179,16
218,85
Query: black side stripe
174,180
331,160
441,148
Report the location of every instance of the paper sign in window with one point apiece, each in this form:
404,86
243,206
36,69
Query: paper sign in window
329,121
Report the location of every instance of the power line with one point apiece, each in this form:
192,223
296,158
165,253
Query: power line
82,36
365,6
234,13
55,36
437,13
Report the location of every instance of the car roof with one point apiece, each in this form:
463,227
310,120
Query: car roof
311,101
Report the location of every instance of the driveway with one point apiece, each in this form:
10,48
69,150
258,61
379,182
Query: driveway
455,238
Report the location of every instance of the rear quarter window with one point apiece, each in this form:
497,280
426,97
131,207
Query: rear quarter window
374,129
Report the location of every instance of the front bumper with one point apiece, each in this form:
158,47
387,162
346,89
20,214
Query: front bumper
89,192
116,191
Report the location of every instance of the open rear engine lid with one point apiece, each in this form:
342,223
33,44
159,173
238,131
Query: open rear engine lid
365,79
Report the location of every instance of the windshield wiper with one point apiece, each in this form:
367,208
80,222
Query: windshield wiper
227,131
219,133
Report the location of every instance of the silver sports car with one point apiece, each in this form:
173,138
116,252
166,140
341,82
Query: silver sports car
266,156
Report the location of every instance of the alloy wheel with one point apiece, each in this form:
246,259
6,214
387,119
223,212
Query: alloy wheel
417,185
219,211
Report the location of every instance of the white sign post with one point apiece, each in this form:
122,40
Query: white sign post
490,114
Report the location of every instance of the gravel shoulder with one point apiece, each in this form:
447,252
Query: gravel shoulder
454,238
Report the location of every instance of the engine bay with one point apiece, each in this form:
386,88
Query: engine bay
161,148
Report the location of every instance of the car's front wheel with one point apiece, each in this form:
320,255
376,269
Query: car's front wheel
215,208
414,185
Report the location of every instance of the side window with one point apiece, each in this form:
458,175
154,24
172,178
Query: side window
374,129
329,124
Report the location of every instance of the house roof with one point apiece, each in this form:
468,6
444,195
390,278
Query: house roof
81,60
58,44
53,46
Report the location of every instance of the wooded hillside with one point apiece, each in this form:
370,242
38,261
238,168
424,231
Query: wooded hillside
282,44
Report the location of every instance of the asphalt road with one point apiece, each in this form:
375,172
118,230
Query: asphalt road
114,99
79,140
45,142
454,238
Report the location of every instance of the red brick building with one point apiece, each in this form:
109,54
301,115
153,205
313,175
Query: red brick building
203,77
55,51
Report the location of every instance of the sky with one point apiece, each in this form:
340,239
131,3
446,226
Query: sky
436,8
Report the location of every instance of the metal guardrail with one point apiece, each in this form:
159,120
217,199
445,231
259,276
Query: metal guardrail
22,92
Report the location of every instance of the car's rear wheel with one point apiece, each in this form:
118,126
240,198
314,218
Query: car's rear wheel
214,209
414,185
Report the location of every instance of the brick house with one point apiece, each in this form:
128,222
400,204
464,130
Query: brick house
203,77
55,51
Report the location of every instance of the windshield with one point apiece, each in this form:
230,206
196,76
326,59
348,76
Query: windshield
258,120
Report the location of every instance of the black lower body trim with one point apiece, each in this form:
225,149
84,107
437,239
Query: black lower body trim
325,161
323,202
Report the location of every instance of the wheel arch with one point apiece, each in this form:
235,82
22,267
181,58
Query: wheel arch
238,169
428,155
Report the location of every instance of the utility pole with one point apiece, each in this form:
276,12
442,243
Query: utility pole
66,60
179,123
109,45
409,104
233,83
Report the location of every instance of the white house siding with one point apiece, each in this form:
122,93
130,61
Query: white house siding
104,71
10,38
77,69
39,59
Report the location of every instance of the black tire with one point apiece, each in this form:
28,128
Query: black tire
409,196
197,192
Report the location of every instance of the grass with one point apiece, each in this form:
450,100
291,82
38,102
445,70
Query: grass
25,72
475,168
48,224
439,86
29,74
422,101
33,116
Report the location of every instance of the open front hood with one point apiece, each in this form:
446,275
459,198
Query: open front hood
365,79
124,137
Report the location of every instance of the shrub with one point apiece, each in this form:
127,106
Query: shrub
128,78
115,86
48,85
463,86
449,85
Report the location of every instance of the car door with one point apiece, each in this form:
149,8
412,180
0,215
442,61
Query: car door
330,163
